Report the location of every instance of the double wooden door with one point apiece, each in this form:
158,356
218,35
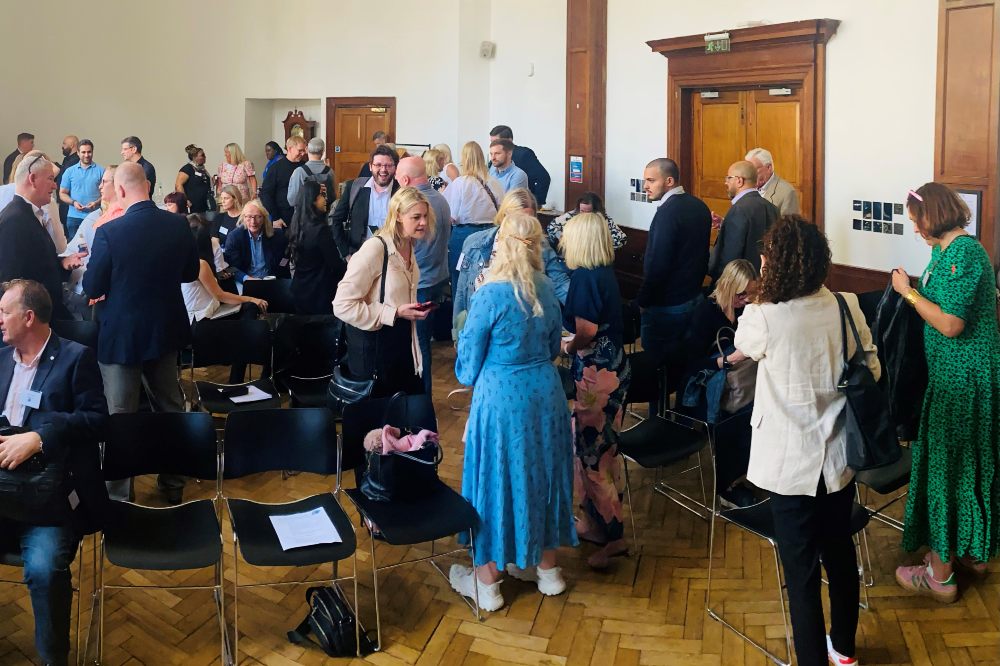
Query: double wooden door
726,124
351,122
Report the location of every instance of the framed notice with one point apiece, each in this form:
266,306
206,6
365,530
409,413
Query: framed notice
974,200
575,169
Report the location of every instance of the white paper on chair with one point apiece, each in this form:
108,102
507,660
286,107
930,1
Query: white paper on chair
310,528
253,394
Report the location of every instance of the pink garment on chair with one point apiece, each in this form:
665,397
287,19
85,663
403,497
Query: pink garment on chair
390,440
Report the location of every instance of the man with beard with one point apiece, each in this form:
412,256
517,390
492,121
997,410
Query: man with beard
365,203
80,187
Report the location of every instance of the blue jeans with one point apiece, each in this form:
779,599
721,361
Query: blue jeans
425,327
663,329
459,233
47,553
72,225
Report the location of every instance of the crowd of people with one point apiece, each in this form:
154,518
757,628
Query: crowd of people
412,233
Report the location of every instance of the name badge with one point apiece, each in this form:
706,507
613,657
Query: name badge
223,231
283,262
458,266
31,398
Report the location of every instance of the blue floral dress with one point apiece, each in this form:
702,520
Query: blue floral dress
518,471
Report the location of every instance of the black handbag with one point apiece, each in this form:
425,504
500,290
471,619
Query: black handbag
331,620
36,492
871,436
400,475
344,389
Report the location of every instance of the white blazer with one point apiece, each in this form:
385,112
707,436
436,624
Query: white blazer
798,414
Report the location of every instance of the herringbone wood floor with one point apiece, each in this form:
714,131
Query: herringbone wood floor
648,609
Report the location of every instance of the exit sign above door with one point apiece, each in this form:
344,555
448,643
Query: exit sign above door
717,43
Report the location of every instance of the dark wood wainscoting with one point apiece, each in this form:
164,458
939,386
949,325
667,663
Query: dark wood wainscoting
628,262
856,280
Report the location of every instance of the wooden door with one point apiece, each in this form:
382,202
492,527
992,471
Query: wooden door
718,140
351,122
774,123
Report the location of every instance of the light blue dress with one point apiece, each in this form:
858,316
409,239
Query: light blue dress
518,471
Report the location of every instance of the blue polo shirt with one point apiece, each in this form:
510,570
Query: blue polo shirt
511,178
84,185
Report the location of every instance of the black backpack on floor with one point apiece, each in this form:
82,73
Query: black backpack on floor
331,621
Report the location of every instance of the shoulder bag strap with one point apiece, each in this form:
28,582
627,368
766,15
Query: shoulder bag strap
381,300
845,317
493,197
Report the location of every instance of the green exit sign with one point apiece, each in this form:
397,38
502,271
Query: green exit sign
717,43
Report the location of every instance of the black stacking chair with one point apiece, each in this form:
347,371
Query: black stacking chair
84,332
646,385
659,442
270,440
184,537
439,514
631,324
229,342
315,343
886,481
277,293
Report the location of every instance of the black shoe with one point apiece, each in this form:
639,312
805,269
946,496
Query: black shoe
738,497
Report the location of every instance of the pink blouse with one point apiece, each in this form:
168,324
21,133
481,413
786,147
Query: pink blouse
237,175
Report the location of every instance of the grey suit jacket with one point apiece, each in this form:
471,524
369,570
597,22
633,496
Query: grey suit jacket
741,232
781,193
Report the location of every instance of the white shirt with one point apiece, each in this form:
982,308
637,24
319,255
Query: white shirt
677,190
24,376
469,202
200,302
769,180
798,414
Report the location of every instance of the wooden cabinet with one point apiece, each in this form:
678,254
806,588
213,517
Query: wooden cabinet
628,262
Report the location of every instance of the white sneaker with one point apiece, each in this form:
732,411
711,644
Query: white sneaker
836,657
550,581
462,579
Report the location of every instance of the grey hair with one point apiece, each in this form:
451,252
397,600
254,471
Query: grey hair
761,155
316,146
28,165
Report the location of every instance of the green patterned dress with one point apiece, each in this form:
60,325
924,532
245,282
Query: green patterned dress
954,500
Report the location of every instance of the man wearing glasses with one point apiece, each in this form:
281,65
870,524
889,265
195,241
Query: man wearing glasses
365,203
744,225
26,248
132,152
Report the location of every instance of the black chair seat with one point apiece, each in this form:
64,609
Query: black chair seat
890,478
307,391
439,514
11,558
216,404
758,518
859,518
259,542
658,442
181,537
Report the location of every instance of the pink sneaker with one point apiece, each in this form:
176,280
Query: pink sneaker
837,658
918,578
970,565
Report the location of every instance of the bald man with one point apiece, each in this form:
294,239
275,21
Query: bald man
431,254
749,217
138,263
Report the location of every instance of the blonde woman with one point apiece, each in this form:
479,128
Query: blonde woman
601,373
518,470
381,336
230,206
256,250
478,250
735,288
237,170
474,199
432,164
446,165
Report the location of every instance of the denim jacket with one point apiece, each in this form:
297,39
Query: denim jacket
476,254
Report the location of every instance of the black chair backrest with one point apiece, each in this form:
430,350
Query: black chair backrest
868,301
308,345
161,442
415,412
265,440
83,332
229,341
645,384
277,293
630,322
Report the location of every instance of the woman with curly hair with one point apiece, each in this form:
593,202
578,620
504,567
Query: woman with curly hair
798,448
954,501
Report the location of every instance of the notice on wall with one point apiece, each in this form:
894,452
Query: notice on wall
575,169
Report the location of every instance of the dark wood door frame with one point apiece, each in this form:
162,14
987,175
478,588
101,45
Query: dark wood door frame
331,117
586,93
765,56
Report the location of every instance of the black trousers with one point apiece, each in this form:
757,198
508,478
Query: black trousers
808,529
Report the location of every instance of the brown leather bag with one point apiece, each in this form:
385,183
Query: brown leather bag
741,378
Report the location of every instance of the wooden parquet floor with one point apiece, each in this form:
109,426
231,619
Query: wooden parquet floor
649,609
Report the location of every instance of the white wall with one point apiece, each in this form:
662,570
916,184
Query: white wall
881,68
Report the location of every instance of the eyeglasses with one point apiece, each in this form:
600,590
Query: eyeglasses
31,164
382,167
728,178
253,217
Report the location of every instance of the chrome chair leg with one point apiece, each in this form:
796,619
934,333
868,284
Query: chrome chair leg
100,624
631,508
236,599
378,616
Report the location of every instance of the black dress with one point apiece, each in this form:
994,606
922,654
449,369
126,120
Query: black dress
318,270
197,188
223,224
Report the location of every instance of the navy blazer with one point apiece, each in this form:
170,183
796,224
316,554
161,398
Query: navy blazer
538,176
741,233
237,253
676,258
349,220
70,419
27,252
139,262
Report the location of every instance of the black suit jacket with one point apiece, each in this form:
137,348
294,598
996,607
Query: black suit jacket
139,262
27,251
741,232
538,177
70,419
350,227
238,256
8,164
676,252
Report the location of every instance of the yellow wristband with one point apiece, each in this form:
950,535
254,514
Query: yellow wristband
912,296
